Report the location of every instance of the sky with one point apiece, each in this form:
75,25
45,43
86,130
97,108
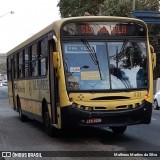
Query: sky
30,17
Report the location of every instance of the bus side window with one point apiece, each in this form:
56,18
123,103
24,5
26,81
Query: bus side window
9,68
16,66
34,59
21,65
43,60
26,61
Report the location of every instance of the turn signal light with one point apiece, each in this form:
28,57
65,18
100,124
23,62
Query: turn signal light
146,96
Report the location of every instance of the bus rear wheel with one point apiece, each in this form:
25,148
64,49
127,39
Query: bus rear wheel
21,115
119,130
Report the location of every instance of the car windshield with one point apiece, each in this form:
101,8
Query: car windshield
105,65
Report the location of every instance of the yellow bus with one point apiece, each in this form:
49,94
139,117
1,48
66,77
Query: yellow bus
84,71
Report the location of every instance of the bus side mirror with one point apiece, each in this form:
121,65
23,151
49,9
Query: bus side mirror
153,55
56,59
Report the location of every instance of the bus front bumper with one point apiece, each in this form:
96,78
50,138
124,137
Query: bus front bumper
73,117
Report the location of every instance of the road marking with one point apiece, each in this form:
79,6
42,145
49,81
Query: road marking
153,119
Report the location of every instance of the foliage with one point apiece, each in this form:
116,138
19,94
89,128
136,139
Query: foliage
72,8
3,67
116,8
147,5
124,7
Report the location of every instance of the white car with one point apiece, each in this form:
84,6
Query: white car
156,103
4,82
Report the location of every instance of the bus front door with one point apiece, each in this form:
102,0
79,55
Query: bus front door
53,84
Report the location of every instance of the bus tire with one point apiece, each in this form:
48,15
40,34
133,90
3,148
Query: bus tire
47,123
119,130
21,115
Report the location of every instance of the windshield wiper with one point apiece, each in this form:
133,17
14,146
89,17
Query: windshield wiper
92,54
121,53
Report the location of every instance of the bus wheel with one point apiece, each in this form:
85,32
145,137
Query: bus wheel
49,129
21,115
119,130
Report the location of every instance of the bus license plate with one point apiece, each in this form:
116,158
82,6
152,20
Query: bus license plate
93,120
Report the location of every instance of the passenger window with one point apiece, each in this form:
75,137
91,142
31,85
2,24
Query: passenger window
43,57
15,66
9,68
34,59
26,61
21,65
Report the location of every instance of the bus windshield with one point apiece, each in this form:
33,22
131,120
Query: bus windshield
91,65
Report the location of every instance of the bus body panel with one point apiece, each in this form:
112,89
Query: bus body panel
73,117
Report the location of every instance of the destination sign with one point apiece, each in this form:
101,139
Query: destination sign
103,28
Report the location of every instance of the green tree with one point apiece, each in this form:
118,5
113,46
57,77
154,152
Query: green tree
124,7
3,67
72,8
147,5
116,8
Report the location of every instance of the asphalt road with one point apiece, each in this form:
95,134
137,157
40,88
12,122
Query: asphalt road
29,136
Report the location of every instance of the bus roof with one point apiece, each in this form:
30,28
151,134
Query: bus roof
56,26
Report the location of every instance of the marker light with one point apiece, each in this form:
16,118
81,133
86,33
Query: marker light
146,96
